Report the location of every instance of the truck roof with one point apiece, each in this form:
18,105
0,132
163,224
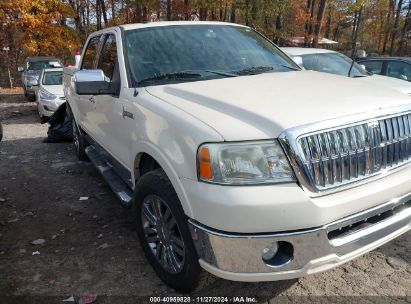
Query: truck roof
172,23
133,26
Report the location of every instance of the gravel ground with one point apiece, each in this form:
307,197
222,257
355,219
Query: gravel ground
91,247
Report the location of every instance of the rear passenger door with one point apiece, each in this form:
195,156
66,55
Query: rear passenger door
86,103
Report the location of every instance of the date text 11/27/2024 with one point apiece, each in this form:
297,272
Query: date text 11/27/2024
203,299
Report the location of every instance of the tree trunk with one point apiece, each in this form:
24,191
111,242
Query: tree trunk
396,26
104,12
405,29
168,10
113,11
98,15
328,24
320,17
247,3
232,13
203,14
77,19
187,15
387,31
358,22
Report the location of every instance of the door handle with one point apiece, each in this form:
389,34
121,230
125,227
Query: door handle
92,99
127,114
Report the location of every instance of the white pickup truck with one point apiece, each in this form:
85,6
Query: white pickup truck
235,160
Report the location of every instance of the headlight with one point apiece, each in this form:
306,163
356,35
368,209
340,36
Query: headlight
248,163
46,95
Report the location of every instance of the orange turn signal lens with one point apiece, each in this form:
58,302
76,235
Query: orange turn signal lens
206,168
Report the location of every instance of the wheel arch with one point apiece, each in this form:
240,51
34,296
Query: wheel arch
149,158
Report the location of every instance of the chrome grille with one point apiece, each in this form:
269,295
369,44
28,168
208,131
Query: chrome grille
349,154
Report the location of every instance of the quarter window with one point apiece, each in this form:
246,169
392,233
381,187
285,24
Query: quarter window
108,57
90,54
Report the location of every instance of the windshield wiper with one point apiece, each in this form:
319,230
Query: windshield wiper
253,70
222,73
262,69
171,76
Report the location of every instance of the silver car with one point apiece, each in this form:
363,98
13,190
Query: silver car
31,72
50,93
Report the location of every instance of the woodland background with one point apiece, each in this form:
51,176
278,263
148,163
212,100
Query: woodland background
60,27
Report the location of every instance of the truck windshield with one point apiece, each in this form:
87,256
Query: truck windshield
183,53
53,78
39,65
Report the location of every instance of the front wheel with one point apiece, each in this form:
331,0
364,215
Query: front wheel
163,232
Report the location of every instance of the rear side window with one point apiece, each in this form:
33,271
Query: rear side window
108,56
374,66
90,54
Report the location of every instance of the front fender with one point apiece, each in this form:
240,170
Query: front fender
167,165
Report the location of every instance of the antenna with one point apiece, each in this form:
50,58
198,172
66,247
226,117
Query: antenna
353,56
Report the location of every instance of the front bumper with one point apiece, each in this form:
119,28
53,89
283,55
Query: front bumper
238,257
48,107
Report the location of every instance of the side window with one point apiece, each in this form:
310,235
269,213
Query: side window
373,66
90,54
108,57
399,69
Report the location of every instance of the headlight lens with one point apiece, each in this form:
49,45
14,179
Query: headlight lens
43,94
244,163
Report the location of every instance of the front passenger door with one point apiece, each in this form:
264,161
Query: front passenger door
112,126
85,103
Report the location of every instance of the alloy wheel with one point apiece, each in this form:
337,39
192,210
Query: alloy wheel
162,234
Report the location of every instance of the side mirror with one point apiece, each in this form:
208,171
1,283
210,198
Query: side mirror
20,69
33,83
93,82
363,66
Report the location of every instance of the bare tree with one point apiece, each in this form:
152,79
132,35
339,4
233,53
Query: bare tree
320,17
396,29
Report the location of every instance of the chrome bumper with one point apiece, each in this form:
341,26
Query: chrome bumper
239,256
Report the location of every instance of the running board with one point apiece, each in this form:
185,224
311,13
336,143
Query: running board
120,188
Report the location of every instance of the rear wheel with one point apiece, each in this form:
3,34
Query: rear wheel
163,232
80,143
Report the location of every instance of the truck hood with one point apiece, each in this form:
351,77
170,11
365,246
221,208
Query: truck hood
397,84
262,106
54,89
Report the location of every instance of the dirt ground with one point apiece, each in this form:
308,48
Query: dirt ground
91,246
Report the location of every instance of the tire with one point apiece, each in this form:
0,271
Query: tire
165,239
43,119
80,143
31,97
1,131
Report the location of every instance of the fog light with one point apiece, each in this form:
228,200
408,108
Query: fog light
278,254
270,251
